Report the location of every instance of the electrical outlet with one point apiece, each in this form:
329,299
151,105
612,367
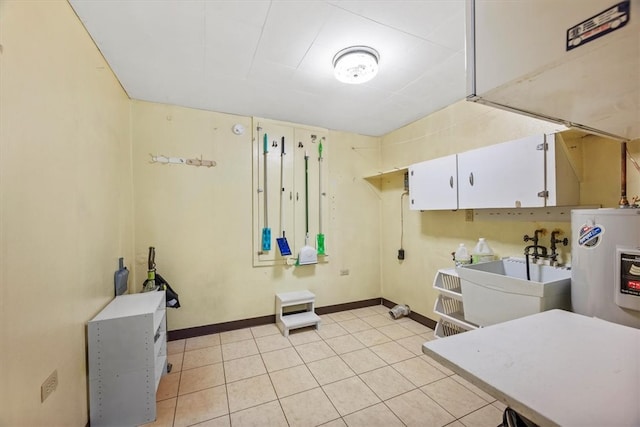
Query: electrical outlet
49,385
468,215
344,272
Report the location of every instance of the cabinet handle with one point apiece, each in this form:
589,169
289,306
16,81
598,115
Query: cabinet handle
471,179
451,182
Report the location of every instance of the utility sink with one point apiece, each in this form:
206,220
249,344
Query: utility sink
498,291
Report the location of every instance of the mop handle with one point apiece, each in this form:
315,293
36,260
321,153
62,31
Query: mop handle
320,188
265,151
306,191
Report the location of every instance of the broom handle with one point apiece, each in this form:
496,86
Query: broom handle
282,188
266,207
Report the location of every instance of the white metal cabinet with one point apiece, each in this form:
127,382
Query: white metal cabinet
434,184
506,175
127,356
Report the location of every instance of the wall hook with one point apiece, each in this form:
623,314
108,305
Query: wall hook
181,161
300,144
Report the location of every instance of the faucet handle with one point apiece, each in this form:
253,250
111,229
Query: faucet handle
554,238
526,238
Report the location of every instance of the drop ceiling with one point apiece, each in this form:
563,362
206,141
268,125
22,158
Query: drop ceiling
273,59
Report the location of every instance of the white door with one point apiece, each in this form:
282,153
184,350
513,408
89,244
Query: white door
433,184
506,175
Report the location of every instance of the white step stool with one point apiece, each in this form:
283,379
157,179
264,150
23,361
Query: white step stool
297,320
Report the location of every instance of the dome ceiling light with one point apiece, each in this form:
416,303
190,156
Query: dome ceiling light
356,64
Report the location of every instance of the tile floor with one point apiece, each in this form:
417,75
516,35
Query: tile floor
360,369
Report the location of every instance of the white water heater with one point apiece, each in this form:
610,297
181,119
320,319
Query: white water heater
605,264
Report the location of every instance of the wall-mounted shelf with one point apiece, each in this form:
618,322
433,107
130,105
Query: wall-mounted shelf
382,174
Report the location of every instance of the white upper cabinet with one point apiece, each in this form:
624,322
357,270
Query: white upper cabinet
527,172
507,175
433,184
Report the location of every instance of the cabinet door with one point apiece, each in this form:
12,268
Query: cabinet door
506,175
433,184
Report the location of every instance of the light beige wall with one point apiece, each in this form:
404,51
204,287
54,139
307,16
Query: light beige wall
200,219
65,207
430,237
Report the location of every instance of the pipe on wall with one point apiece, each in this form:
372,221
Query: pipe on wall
623,175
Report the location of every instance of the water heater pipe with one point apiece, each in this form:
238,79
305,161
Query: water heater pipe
623,176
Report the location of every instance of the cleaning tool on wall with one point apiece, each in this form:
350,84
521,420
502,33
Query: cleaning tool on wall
266,231
283,245
320,237
121,277
308,254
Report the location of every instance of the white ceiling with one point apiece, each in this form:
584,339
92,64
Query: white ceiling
273,59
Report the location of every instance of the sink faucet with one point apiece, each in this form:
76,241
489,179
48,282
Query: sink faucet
554,254
538,250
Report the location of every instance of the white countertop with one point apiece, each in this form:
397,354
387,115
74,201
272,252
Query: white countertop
554,368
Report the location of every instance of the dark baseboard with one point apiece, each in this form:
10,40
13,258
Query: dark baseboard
220,327
265,320
348,306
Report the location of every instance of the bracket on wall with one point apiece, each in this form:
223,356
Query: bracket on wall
182,161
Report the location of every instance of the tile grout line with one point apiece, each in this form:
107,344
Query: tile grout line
175,408
322,339
273,386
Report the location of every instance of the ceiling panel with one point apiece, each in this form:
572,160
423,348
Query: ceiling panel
273,59
419,17
290,30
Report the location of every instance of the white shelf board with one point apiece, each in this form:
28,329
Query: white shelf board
131,305
158,319
295,298
380,174
300,320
